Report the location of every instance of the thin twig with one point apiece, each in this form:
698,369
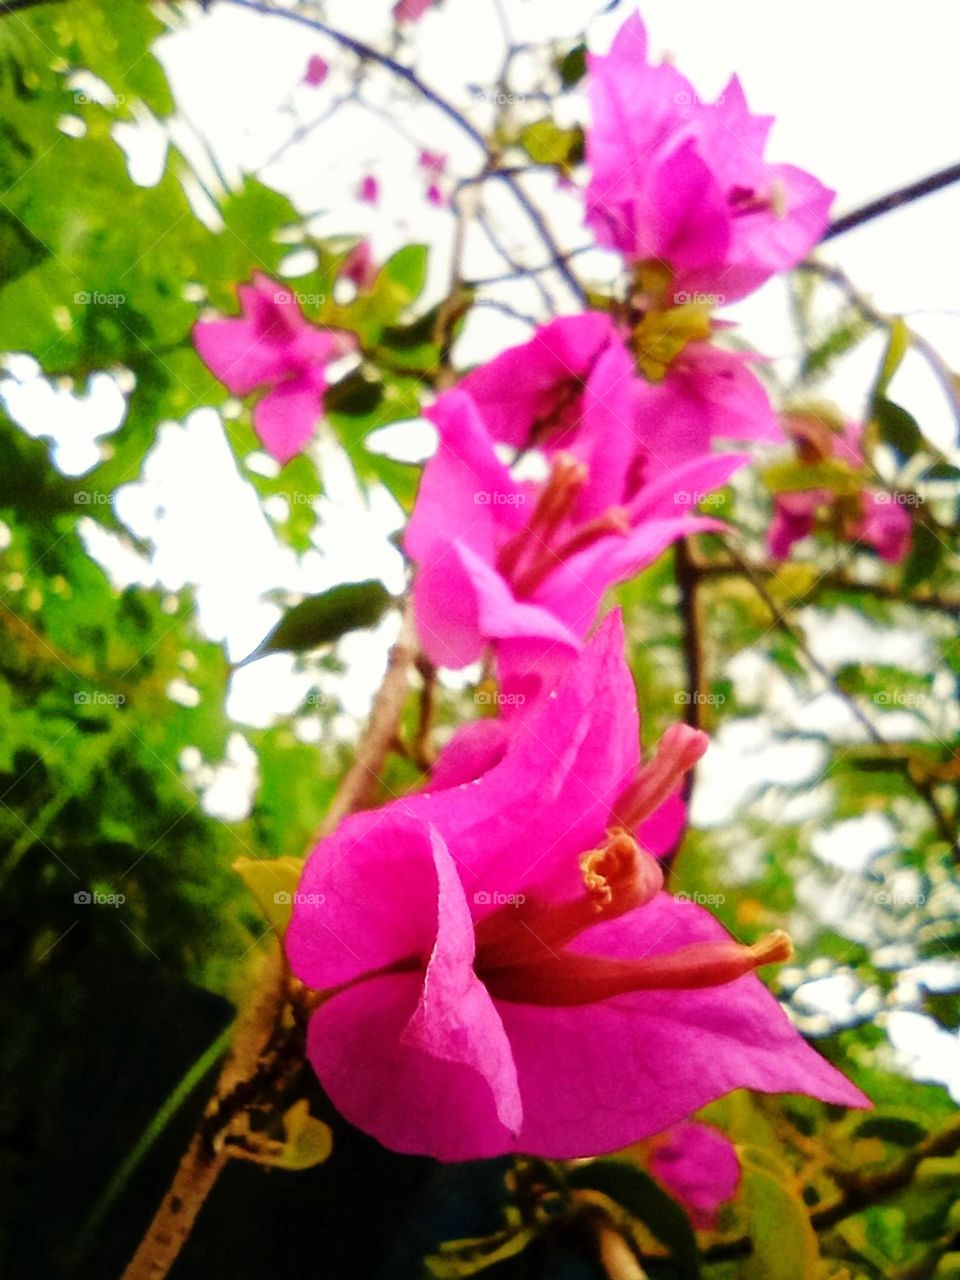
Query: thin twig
893,200
407,74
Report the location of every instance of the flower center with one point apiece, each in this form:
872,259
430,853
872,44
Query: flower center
552,535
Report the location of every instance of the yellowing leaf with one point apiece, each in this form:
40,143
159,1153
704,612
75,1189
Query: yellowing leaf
273,882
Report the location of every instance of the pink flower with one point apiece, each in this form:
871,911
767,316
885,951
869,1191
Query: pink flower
534,395
523,566
359,266
684,182
499,970
369,190
869,516
698,1165
316,72
411,10
272,345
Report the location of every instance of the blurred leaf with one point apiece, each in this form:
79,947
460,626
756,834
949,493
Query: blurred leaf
784,1243
636,1191
321,619
457,1258
927,551
897,428
273,882
546,143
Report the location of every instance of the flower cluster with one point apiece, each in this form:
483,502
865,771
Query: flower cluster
498,965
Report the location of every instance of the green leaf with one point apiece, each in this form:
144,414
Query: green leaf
897,347
636,1191
573,65
546,143
784,1243
794,477
926,552
897,428
941,471
273,882
319,620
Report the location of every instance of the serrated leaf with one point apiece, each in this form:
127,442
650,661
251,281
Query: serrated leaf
322,619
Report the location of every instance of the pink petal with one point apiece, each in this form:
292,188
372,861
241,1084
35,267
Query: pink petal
473,749
661,832
698,1165
316,72
598,1077
286,417
420,1060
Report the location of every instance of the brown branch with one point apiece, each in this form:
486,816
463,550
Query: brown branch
893,200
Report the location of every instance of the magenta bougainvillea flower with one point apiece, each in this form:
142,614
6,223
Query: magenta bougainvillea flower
411,10
684,182
534,395
359,266
523,565
698,1165
500,970
870,516
272,346
316,71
